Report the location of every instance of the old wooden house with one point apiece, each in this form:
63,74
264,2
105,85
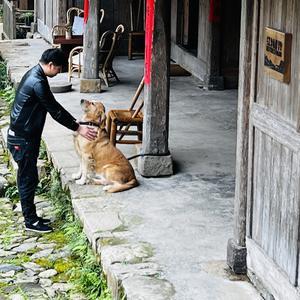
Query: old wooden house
204,37
267,202
257,42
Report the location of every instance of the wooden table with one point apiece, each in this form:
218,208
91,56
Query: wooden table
67,45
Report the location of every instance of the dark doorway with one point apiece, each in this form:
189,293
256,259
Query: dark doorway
187,26
75,3
230,42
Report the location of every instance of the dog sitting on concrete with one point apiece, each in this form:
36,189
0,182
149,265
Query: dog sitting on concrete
99,159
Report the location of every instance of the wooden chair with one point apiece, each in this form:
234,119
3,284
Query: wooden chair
109,45
75,62
119,121
136,35
61,29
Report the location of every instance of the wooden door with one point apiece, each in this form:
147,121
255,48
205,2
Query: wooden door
274,170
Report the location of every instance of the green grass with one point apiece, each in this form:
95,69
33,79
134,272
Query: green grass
7,91
85,272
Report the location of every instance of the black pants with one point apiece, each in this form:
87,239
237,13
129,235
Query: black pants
26,153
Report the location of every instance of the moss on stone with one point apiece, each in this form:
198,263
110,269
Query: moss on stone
63,265
112,241
45,263
58,237
18,261
148,249
3,285
61,277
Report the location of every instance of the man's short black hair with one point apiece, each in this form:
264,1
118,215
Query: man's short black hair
54,55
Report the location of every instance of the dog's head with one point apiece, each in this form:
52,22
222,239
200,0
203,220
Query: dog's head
94,111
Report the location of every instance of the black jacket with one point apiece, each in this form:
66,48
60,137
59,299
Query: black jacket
32,102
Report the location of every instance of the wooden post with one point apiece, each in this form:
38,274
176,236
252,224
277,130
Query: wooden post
33,25
157,161
213,79
90,83
236,250
62,12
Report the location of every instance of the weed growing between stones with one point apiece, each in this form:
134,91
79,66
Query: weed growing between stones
84,269
7,91
65,253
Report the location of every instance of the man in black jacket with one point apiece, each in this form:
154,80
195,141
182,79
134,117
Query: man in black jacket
32,102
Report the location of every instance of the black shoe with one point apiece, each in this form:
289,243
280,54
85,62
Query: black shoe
44,220
38,226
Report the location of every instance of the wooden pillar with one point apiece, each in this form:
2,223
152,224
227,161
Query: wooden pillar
157,160
61,12
213,79
236,248
33,25
90,82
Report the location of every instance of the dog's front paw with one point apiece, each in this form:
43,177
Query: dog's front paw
107,187
81,181
76,175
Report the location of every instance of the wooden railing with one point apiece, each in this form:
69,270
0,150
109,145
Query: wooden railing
9,19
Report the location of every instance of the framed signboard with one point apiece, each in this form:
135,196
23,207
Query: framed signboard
277,54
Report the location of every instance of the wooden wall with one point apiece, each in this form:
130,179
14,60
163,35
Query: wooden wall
25,4
281,98
276,203
224,37
198,65
274,170
49,14
117,12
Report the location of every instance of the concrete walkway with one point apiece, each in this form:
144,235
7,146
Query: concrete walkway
165,239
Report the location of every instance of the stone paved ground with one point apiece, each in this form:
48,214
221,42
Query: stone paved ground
32,266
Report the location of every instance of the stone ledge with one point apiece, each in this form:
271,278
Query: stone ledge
128,264
145,288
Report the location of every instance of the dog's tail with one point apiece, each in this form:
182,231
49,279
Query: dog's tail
119,187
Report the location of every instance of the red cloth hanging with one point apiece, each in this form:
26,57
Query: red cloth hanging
86,10
150,9
214,11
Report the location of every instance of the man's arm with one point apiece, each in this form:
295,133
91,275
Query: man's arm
58,113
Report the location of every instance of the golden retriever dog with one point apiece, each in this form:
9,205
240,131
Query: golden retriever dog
102,162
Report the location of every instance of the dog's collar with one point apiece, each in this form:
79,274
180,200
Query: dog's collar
90,124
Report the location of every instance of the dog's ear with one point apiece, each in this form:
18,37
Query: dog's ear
103,120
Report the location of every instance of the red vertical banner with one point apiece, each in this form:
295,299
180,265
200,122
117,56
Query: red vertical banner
214,11
86,10
150,9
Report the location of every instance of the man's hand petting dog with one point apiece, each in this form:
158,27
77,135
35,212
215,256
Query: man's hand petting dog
87,132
